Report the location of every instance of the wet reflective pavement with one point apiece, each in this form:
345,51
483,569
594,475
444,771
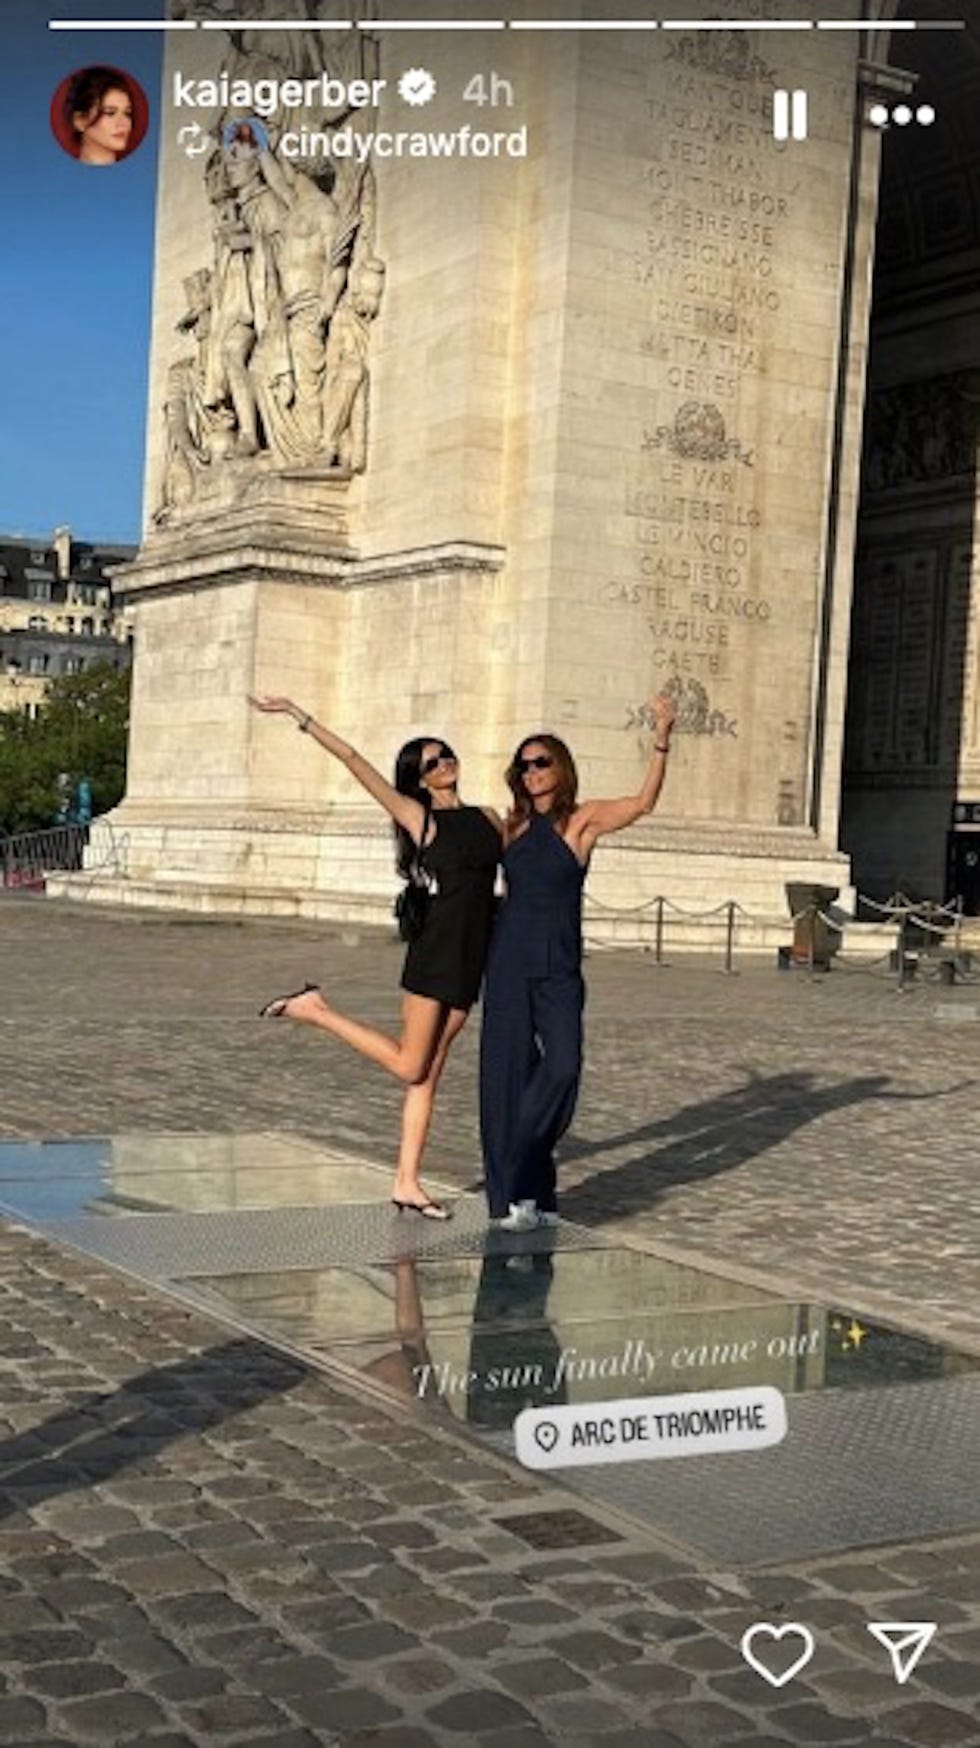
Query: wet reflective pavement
299,1243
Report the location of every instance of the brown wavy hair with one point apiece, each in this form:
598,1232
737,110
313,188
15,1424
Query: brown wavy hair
566,795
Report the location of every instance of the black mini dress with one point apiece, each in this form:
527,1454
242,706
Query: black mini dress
447,961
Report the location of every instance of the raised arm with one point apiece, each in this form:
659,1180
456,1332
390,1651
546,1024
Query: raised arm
403,809
595,819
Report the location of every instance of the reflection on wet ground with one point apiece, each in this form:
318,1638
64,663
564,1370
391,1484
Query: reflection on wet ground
493,1323
298,1242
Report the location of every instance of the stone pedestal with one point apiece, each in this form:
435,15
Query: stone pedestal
612,447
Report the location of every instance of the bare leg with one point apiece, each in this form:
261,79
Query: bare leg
408,1057
417,1114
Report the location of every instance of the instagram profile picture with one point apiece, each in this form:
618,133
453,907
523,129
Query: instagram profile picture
99,115
244,138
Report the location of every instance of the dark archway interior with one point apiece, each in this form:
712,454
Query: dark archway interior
911,807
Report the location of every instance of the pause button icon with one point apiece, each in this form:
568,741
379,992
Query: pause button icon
789,115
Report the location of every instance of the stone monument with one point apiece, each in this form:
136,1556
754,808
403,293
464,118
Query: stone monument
503,441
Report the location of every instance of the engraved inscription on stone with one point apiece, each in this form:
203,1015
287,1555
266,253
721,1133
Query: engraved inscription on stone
715,257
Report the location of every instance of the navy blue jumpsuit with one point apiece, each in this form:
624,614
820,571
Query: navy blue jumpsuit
531,1052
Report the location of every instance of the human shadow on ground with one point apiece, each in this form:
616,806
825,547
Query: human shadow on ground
95,1439
705,1139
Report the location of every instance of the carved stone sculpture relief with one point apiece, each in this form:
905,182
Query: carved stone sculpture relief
282,315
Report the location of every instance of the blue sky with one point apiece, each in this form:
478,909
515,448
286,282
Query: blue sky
75,281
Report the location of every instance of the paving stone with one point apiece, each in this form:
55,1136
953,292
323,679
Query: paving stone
225,1713
418,1675
343,1709
811,1725
644,1738
426,1612
475,1641
934,1726
583,1719
379,1639
137,1545
402,1534
532,1613
208,1610
479,1712
195,1682
350,1556
293,1673
293,1739
707,1654
75,1680
74,1595
956,1680
869,1688
382,1581
593,1650
171,1575
660,1680
704,1724
325,1615
113,1717
144,1654
21,1611
43,1645
396,1736
20,1719
538,1676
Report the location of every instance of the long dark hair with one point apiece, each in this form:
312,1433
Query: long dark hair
408,781
565,796
88,89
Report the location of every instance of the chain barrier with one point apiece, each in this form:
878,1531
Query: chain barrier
901,913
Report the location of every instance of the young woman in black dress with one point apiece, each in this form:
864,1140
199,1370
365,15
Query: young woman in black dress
531,1051
444,965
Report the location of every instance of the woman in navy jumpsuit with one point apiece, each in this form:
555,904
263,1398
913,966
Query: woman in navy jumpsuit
531,1050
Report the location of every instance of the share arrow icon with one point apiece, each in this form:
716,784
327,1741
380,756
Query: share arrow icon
904,1641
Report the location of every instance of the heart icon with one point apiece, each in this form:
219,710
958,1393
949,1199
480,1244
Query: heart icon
765,1630
546,1435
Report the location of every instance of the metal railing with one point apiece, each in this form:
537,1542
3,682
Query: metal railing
27,859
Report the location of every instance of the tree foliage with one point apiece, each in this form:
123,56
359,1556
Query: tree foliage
80,731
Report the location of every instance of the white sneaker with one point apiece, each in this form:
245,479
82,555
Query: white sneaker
548,1217
522,1217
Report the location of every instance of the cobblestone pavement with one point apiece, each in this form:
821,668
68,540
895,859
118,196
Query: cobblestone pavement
826,1133
202,1542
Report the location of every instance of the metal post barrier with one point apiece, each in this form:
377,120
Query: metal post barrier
658,939
900,955
729,935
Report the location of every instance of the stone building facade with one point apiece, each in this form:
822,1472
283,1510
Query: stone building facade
57,614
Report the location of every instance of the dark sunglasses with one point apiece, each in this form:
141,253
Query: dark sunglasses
445,756
543,762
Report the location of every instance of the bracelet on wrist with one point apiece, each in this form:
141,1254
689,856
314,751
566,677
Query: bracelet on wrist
304,722
664,750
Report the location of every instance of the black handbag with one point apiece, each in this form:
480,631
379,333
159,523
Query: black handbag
412,903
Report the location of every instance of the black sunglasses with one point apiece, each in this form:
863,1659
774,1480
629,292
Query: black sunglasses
543,762
445,755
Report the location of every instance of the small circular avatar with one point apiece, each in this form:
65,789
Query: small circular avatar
99,115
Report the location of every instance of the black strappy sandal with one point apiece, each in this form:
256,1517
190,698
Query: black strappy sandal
275,1010
426,1210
